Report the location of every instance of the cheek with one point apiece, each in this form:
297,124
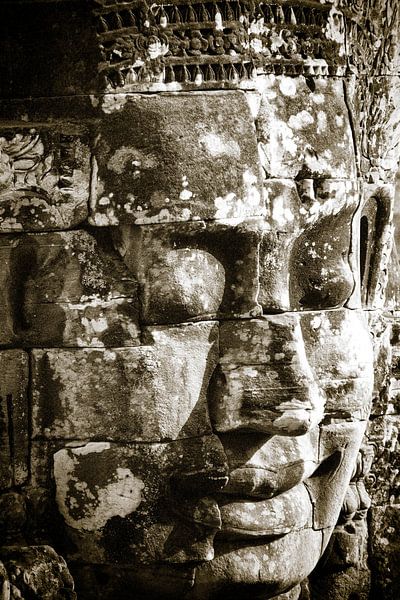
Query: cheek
339,349
185,283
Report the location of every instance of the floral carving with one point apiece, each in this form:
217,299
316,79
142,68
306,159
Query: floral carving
142,44
43,179
23,163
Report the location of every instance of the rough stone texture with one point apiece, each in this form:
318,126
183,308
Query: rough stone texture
147,393
303,263
44,178
37,572
384,480
266,382
384,550
305,133
108,493
174,265
65,289
175,142
186,379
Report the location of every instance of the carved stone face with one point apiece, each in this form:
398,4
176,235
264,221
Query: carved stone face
201,369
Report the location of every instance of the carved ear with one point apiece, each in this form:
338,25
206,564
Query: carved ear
375,235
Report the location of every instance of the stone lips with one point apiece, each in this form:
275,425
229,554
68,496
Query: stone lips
282,514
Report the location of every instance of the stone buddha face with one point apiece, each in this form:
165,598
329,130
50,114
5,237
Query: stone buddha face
212,373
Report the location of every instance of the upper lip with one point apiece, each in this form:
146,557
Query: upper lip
264,482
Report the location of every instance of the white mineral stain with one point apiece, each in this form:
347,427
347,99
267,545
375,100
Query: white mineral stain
317,98
136,159
288,86
280,213
119,497
185,194
113,102
216,146
284,137
339,120
226,205
301,120
315,322
99,325
102,220
321,121
109,355
94,100
92,447
254,101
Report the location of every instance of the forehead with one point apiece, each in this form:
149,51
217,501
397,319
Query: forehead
213,155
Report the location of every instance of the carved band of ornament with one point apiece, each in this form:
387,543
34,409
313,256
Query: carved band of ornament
180,13
180,42
230,74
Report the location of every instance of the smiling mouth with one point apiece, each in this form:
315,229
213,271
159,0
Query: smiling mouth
246,517
249,518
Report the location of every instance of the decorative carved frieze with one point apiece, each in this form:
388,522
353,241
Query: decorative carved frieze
209,44
44,178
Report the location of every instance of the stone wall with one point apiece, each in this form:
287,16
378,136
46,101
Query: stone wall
199,300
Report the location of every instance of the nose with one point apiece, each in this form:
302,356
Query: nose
263,381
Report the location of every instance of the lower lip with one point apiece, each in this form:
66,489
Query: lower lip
282,514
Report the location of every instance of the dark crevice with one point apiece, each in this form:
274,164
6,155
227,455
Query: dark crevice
10,430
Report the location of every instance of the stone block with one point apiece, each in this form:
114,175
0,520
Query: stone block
154,157
338,447
194,270
119,506
65,289
295,259
338,348
148,393
265,467
14,424
320,273
44,177
37,572
303,129
287,512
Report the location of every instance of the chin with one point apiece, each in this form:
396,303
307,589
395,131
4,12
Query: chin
262,570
